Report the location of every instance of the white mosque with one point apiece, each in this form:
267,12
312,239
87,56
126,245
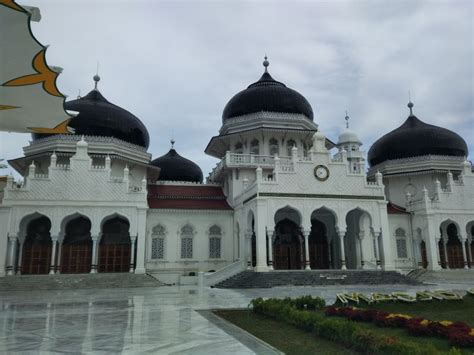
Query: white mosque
282,196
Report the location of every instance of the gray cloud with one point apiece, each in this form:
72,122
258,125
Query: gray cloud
175,64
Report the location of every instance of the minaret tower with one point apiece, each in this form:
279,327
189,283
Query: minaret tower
349,143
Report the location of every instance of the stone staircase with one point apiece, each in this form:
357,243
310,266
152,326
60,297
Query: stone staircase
76,281
251,279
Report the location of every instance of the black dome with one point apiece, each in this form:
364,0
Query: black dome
176,168
416,138
99,117
267,94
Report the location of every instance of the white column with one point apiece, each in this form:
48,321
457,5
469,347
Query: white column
4,222
431,242
20,256
438,251
342,234
463,243
52,265
248,239
260,231
140,245
377,250
95,240
270,248
132,256
384,240
445,242
416,253
361,237
58,263
11,260
306,248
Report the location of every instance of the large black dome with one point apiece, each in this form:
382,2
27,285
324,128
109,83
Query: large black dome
176,168
99,117
267,94
416,138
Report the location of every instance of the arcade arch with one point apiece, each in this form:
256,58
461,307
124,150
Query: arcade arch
37,245
323,243
115,245
287,243
76,249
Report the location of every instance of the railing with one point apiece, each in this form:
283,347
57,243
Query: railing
250,159
212,278
135,188
41,176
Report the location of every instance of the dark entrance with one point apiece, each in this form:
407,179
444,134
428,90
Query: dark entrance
115,246
441,253
37,247
287,246
454,248
424,257
76,250
318,246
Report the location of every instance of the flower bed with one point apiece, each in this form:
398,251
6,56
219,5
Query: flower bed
336,330
458,333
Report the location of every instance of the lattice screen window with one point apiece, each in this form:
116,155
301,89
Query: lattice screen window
402,252
186,248
158,248
215,242
187,233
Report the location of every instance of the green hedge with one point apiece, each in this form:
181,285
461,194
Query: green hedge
292,311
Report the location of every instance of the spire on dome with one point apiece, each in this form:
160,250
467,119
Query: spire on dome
347,120
266,63
96,77
410,104
172,141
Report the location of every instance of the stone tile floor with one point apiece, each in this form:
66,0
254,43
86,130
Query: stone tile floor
139,320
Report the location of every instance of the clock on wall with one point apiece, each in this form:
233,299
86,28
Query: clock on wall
321,172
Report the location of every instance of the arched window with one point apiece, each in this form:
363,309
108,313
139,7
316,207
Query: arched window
238,148
289,146
254,147
215,235
274,147
158,242
401,241
187,233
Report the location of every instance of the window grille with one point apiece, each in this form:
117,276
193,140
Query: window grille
158,248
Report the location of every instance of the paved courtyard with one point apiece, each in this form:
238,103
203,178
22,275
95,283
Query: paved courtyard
164,320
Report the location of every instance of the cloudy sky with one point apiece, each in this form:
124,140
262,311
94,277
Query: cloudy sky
175,64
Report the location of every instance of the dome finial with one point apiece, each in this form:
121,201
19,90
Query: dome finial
410,104
266,63
96,77
79,94
347,119
172,141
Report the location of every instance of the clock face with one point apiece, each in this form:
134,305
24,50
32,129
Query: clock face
321,172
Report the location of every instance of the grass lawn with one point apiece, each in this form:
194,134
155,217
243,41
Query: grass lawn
282,336
294,341
462,310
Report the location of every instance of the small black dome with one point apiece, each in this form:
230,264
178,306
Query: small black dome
416,138
99,117
267,94
176,168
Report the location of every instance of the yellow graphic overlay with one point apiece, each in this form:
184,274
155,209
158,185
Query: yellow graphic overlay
43,75
60,128
7,107
12,5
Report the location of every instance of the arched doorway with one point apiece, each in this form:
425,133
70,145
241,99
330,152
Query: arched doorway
115,246
442,258
424,256
36,258
318,246
287,246
454,248
76,250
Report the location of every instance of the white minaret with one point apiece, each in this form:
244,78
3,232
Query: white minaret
349,142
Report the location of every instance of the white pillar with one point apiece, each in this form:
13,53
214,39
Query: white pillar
306,248
270,248
377,250
342,234
438,251
132,256
5,223
445,243
140,245
431,242
260,231
463,243
20,256
384,241
95,241
52,265
11,260
248,243
361,237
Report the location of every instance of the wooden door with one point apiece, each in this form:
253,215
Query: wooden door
36,258
455,255
114,258
76,258
318,254
441,254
